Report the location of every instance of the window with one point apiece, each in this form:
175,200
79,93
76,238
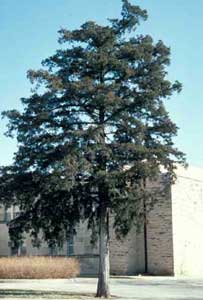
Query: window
53,251
5,215
70,246
14,251
18,251
2,214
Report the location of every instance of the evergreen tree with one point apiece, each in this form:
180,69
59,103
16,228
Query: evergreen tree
93,130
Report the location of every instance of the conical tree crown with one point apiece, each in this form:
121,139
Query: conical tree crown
94,129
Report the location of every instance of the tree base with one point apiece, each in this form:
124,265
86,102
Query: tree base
101,294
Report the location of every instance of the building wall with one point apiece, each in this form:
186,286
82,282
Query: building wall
127,256
4,239
85,252
159,230
187,207
174,235
43,250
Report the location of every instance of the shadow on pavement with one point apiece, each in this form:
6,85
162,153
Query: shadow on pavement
34,294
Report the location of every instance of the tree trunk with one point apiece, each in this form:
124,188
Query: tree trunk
104,269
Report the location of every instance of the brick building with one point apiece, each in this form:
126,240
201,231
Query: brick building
170,244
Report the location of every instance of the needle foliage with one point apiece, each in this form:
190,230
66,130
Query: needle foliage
94,128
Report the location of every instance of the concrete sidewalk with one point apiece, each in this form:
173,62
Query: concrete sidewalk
136,288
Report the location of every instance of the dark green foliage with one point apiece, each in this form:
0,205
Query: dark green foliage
94,129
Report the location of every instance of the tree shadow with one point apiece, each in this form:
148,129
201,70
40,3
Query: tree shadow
35,294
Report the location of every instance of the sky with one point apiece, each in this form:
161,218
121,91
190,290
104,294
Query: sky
28,34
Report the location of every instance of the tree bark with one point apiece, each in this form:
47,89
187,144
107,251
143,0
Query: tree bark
104,269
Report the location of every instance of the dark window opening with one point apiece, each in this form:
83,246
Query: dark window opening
5,215
53,251
70,246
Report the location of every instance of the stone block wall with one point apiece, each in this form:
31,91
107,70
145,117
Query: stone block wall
127,256
159,231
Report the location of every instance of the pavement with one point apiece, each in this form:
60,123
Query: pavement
131,288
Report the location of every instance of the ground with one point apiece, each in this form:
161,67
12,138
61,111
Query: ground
134,288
